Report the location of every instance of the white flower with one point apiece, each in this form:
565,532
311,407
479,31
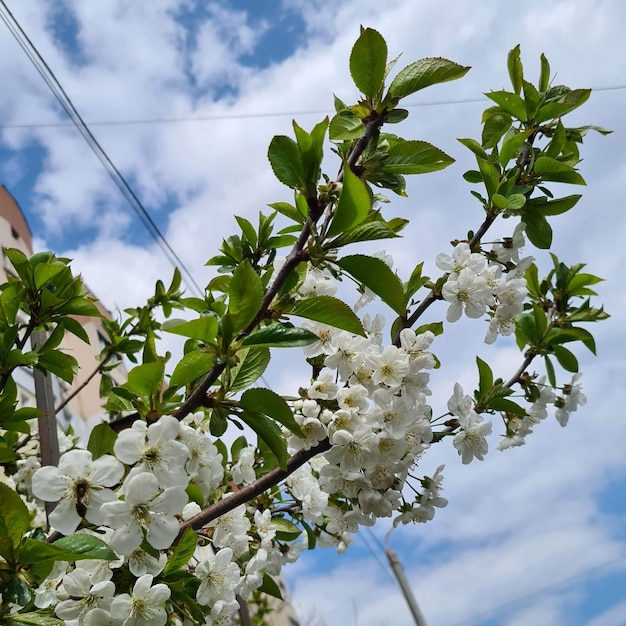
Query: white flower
85,594
374,327
324,387
326,335
231,530
78,485
462,258
204,466
353,450
459,404
467,292
243,472
367,295
572,398
346,350
470,441
389,367
154,448
219,575
508,250
24,475
141,563
318,282
145,606
144,508
353,398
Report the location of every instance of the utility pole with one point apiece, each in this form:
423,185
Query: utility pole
47,423
407,592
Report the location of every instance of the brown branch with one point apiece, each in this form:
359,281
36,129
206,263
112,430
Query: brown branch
87,380
516,378
432,297
254,489
296,256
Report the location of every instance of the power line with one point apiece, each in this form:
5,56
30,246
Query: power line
50,79
262,114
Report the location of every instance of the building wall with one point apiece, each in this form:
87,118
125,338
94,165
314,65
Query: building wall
85,410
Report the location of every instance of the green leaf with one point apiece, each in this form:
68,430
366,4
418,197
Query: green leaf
368,61
271,404
14,516
62,365
45,272
376,275
286,162
511,146
72,548
247,230
270,433
495,126
245,295
353,205
35,619
17,592
76,328
509,102
544,76
183,552
424,73
538,230
310,147
203,329
101,440
566,359
490,174
396,116
270,587
550,371
285,529
370,231
557,143
415,157
571,100
516,71
345,126
558,206
506,405
526,324
474,146
146,379
289,211
329,310
485,381
193,365
557,171
253,362
531,97
279,335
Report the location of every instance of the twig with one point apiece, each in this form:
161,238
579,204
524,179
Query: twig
256,488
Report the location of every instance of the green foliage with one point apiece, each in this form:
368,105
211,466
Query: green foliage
331,311
375,274
249,306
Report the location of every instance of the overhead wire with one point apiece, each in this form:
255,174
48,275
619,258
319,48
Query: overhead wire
262,114
53,83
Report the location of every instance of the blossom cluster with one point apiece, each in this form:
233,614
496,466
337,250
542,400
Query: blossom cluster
477,286
370,402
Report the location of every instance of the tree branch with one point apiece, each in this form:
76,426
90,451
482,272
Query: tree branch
254,489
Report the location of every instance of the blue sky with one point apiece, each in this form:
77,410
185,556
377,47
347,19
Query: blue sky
534,535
